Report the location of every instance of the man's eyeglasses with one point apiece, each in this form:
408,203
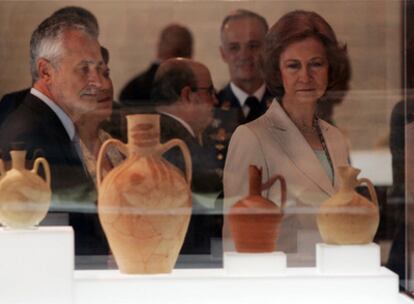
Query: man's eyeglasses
210,90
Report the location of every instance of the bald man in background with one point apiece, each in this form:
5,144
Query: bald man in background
175,41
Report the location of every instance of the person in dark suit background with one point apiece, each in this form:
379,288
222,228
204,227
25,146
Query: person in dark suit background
185,96
402,117
245,97
10,102
175,41
67,70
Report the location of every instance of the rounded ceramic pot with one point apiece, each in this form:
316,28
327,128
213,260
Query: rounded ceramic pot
254,220
348,218
24,196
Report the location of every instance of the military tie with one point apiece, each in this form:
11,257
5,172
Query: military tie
255,108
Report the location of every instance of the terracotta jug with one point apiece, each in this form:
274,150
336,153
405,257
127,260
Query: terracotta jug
144,204
348,218
254,220
24,196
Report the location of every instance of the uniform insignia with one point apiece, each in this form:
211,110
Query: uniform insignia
216,123
225,105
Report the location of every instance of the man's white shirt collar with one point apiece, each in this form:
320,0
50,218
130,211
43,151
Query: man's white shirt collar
185,124
63,117
242,96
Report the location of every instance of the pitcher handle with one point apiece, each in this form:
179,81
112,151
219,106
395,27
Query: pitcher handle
42,161
186,154
117,143
282,182
371,189
2,170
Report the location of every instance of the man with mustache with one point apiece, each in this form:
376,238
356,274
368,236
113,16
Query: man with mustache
69,76
245,97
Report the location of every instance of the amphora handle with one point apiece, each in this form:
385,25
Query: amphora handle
2,170
102,152
186,154
46,168
371,189
282,182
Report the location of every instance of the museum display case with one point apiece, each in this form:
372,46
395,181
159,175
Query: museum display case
131,233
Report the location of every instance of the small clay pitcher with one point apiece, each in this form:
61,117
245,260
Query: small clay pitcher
254,220
24,196
144,204
348,218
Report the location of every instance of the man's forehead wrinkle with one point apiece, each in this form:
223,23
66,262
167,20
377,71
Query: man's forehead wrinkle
91,62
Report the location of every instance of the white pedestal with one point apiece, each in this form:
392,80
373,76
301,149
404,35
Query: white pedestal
348,259
253,278
249,264
36,266
215,286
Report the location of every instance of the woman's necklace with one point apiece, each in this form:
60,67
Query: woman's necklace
306,129
315,128
315,124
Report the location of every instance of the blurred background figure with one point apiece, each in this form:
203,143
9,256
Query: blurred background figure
175,41
91,134
402,148
185,95
245,97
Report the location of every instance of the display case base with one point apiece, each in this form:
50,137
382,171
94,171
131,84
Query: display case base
36,265
344,274
185,286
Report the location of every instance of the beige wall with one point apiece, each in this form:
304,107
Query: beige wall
129,29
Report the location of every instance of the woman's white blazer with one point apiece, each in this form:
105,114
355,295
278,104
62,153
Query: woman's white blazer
273,143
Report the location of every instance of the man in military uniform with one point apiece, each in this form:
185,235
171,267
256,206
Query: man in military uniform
245,98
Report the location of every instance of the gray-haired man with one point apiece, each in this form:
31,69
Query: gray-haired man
67,70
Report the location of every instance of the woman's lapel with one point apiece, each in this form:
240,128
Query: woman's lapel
296,148
336,152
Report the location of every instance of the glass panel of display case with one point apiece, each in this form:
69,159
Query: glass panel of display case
407,109
159,164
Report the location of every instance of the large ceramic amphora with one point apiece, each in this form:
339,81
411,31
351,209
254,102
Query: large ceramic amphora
348,218
24,196
254,220
144,204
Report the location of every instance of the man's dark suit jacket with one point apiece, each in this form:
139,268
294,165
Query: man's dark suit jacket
38,127
202,226
402,114
228,115
10,102
138,90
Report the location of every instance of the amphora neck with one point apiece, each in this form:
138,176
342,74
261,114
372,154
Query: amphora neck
348,176
255,181
18,159
143,133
